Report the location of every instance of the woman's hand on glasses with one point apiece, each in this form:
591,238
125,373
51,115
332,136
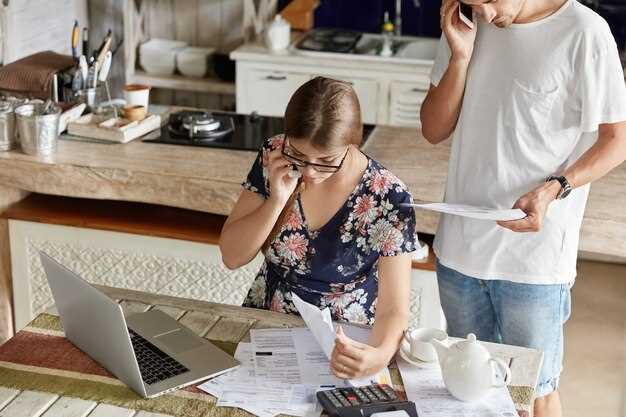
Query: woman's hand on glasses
282,185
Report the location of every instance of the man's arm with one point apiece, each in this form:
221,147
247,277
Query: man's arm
608,152
441,108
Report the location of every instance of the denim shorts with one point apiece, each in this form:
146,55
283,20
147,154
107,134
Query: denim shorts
502,311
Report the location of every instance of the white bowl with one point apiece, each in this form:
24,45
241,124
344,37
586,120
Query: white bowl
194,62
158,56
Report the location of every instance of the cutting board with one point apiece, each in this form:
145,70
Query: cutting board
115,130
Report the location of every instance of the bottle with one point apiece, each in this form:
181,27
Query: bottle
387,33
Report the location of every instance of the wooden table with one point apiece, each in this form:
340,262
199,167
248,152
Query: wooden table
215,322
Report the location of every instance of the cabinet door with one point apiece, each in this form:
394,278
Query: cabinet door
268,92
367,92
406,102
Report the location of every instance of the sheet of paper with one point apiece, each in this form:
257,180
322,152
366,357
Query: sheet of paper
319,322
474,212
321,326
424,386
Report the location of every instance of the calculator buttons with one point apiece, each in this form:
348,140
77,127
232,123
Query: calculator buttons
389,391
331,397
352,399
369,394
359,393
380,395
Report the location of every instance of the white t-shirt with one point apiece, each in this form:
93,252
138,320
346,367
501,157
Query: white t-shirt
534,97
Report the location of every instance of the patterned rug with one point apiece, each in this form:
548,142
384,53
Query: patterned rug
40,358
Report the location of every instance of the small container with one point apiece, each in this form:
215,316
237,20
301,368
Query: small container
278,35
38,132
137,95
135,113
8,134
92,97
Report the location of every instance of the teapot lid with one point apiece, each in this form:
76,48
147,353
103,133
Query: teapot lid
470,346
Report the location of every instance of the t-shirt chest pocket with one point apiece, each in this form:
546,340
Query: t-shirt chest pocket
528,108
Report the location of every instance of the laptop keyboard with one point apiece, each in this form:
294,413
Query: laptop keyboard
154,364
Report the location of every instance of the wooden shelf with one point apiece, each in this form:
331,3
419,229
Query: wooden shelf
119,216
178,82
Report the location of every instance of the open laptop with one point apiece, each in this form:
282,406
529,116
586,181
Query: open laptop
151,352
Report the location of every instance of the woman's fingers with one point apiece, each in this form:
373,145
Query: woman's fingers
342,372
279,169
349,350
345,362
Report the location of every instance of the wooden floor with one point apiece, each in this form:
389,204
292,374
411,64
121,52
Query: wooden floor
594,375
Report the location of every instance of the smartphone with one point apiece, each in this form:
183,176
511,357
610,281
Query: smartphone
466,15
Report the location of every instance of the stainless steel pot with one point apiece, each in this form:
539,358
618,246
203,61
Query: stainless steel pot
38,127
8,134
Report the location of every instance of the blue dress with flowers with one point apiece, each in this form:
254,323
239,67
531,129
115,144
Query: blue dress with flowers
335,266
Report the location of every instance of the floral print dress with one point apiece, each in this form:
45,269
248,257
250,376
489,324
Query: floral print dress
335,266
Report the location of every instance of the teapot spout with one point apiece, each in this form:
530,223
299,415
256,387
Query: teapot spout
441,348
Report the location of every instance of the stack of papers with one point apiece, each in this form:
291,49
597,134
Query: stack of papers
242,388
425,387
282,369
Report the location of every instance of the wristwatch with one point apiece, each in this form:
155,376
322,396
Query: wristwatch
565,187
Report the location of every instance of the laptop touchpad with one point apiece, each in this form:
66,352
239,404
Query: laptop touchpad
179,341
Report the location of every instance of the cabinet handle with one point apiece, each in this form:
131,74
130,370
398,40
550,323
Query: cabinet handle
276,77
418,90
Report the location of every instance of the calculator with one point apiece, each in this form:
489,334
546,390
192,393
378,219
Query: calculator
363,401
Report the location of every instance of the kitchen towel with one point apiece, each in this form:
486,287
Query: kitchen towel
32,76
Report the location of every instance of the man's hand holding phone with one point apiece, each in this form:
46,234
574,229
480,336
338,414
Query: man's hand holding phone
458,25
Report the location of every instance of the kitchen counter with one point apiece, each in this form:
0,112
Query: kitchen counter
209,180
258,52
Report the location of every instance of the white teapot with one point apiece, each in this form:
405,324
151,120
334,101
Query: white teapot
469,371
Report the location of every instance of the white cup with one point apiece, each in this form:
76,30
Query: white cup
137,95
418,341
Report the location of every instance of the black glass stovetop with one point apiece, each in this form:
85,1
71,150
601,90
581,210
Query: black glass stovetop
248,134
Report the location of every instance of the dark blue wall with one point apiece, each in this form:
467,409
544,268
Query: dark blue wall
367,15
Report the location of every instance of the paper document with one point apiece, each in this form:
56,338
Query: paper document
424,386
242,388
319,322
474,212
321,326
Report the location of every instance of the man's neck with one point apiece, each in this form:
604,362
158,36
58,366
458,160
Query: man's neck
534,10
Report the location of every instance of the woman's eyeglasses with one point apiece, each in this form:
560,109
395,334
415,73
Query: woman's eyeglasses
317,167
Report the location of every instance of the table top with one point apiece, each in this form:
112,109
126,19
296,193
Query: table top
219,323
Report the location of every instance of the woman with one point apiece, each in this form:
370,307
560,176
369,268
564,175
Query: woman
330,223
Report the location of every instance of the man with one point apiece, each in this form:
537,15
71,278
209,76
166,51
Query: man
535,102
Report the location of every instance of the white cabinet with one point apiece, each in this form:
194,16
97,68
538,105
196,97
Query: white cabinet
267,92
388,94
405,103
